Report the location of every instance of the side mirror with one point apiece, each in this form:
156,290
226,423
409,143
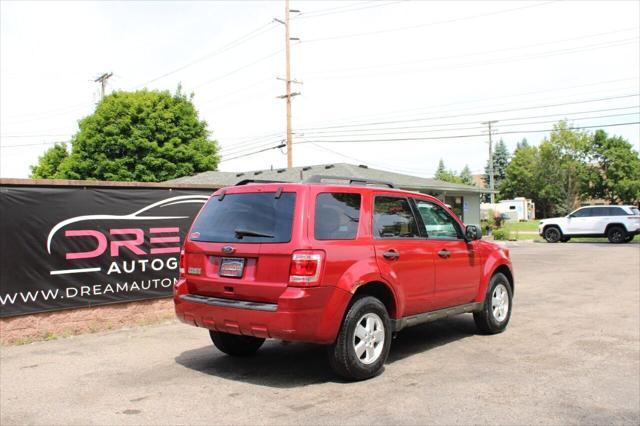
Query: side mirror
473,232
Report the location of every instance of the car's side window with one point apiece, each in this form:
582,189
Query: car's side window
437,222
585,212
336,216
617,211
393,218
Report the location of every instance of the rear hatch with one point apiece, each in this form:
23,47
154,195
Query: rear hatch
240,245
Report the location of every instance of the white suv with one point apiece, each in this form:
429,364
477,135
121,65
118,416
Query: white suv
618,223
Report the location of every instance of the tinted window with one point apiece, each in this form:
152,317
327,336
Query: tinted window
337,216
437,222
599,211
393,218
237,216
617,211
585,212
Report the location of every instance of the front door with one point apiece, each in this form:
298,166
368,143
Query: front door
403,258
579,222
457,263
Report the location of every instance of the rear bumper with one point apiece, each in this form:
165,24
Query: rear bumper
302,314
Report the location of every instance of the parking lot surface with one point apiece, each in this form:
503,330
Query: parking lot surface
571,355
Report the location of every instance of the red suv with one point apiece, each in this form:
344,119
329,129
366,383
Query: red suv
346,266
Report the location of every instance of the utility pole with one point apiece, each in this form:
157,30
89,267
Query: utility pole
103,82
491,175
288,95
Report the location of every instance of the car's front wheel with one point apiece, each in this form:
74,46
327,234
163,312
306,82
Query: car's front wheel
629,238
363,342
616,234
236,345
496,312
552,234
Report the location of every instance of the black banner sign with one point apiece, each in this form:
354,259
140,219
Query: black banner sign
69,247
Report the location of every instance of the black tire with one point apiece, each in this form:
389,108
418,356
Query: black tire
234,344
552,234
616,234
629,238
342,354
565,239
486,320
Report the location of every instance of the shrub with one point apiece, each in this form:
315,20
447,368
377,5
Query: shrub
501,234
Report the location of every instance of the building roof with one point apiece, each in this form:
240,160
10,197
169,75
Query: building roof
298,174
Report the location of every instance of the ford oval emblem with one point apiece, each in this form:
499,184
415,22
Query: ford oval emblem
228,249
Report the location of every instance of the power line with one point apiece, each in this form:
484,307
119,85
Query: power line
237,42
464,136
411,27
281,145
497,61
417,129
346,9
480,53
471,114
250,64
431,107
260,142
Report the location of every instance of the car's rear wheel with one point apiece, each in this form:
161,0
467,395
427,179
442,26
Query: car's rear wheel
363,343
629,238
552,234
496,312
616,234
236,345
565,239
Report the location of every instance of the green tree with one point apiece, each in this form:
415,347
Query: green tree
146,136
446,175
500,162
615,170
465,176
49,163
521,174
572,150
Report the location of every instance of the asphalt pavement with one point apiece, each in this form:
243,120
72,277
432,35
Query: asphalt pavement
571,355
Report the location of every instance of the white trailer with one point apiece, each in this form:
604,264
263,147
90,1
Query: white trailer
518,209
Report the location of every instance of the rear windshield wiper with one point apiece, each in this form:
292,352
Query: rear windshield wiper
247,233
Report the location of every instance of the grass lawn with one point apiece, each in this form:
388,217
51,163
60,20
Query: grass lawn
528,226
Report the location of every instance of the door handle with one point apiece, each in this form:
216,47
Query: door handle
391,254
444,253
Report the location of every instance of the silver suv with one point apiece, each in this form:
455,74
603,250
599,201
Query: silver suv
618,223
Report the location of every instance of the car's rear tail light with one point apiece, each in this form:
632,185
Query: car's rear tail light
306,268
182,263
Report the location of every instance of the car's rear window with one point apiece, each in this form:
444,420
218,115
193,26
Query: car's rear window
337,216
261,217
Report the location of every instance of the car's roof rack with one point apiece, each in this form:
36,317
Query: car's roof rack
351,180
248,181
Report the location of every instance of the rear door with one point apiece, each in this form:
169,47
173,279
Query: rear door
240,245
458,263
403,258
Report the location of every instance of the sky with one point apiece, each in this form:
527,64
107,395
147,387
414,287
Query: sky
395,85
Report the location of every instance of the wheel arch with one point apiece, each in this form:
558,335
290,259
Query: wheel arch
553,225
610,225
382,292
506,271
